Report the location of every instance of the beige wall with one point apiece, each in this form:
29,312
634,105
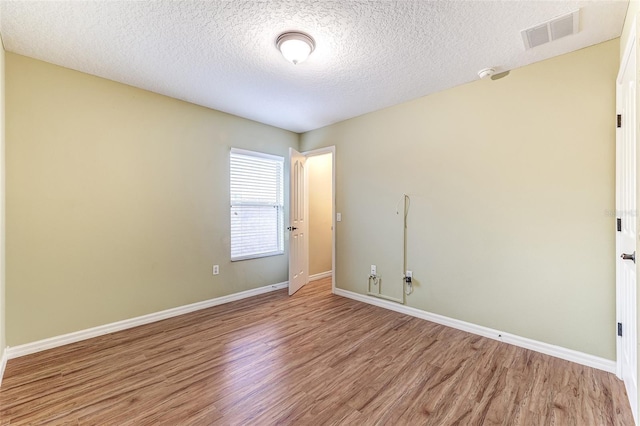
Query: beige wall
117,201
320,198
511,184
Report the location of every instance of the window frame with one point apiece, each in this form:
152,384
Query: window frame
278,205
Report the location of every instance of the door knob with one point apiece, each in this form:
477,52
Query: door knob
292,228
632,256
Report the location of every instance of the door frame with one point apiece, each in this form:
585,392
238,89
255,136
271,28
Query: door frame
321,151
626,57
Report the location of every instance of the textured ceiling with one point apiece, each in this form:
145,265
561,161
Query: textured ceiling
221,54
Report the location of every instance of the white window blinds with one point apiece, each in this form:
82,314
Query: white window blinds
256,204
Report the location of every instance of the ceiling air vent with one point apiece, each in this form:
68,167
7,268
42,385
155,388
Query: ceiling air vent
552,30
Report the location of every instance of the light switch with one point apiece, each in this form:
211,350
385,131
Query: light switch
338,217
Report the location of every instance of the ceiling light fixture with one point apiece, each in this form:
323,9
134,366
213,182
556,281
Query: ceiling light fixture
295,46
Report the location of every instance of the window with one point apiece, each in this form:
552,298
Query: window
256,204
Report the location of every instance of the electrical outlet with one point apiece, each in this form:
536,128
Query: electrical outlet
373,270
409,274
216,269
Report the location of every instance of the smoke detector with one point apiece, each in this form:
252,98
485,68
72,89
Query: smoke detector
486,73
491,73
552,30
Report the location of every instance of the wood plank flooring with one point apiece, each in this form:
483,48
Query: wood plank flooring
313,358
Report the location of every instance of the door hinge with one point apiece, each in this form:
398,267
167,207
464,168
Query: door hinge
619,224
619,124
620,329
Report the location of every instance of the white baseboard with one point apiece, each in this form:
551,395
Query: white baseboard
65,339
3,363
523,342
320,276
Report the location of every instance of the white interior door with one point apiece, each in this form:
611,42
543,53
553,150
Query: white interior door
298,223
626,225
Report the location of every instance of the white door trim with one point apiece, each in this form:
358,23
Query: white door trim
320,151
626,57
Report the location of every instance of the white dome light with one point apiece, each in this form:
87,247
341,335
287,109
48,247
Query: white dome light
295,47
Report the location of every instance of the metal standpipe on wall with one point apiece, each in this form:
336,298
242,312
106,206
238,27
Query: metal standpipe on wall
407,276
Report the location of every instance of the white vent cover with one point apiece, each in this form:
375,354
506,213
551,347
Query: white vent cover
552,30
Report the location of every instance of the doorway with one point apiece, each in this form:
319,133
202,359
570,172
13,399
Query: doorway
320,216
319,202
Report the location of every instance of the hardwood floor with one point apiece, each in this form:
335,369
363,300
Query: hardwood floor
313,358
